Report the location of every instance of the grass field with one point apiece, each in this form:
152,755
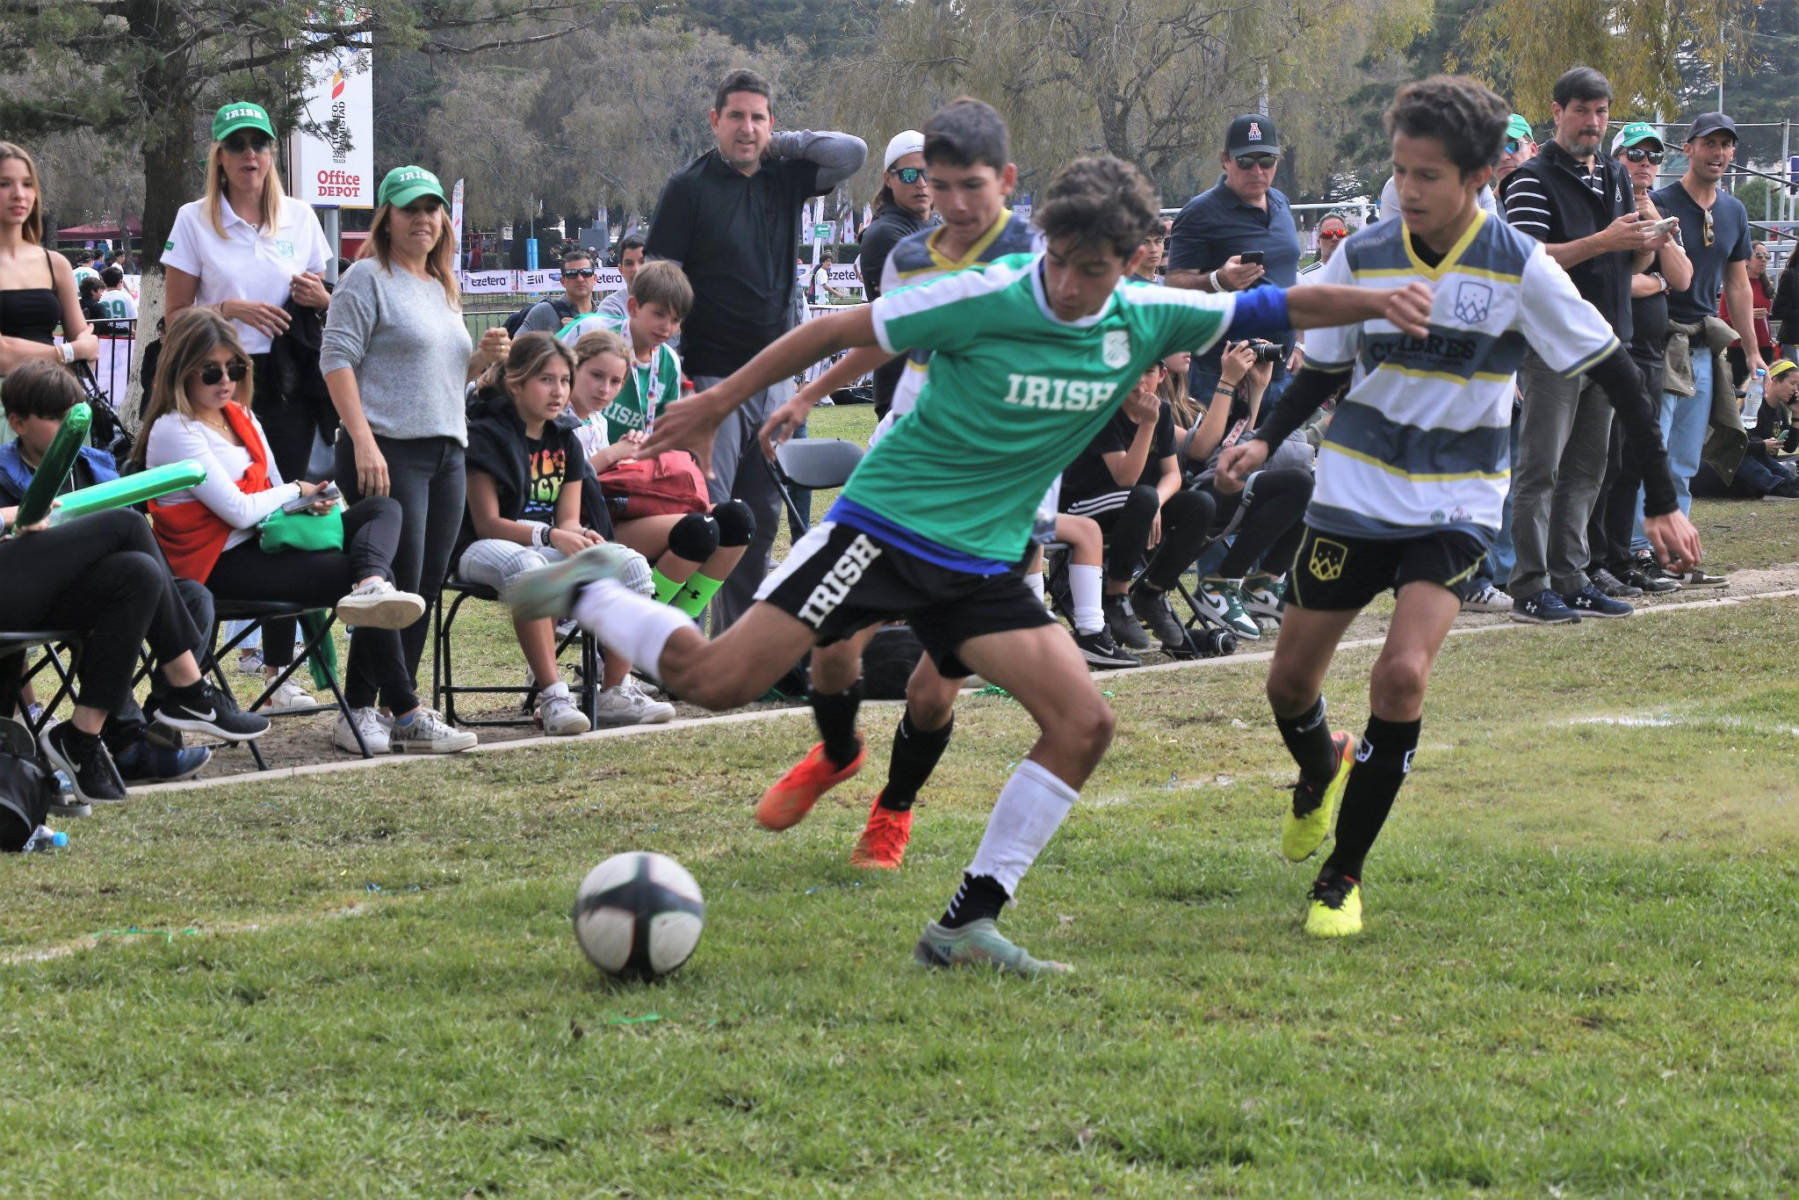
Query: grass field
1578,977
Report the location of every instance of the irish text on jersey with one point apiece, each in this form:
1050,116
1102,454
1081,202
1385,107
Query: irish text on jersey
1059,395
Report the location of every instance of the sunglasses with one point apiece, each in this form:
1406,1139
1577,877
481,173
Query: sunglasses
1250,161
1332,235
1638,154
578,273
1513,145
907,174
1710,232
237,143
211,373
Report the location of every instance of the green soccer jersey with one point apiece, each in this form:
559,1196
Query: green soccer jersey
1012,396
649,387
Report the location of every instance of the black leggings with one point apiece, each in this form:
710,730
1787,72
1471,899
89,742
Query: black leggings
1614,517
318,579
104,578
1268,519
1185,519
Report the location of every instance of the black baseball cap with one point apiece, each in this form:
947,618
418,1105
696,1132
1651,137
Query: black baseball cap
1252,133
1712,122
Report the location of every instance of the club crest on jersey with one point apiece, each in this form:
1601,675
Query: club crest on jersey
1472,302
1328,557
1116,349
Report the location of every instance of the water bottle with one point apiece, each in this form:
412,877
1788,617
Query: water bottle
45,838
1752,398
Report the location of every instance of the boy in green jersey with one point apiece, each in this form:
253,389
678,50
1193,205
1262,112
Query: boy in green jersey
1033,353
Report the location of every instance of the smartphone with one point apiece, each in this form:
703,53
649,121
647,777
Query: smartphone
1252,256
1665,225
329,492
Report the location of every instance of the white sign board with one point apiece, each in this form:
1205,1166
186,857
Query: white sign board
335,167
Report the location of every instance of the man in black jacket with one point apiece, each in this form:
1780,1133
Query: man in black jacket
1580,204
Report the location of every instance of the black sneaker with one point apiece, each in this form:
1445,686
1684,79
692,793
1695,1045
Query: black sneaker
1153,609
212,714
87,764
1589,601
1101,651
1697,578
1612,586
1653,585
1649,566
1544,608
1125,629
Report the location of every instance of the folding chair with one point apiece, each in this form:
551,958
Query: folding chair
257,613
444,688
818,464
13,681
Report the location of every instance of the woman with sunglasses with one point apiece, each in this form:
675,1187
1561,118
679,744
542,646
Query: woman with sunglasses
198,409
902,208
253,253
397,358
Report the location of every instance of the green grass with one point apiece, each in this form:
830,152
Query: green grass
1578,976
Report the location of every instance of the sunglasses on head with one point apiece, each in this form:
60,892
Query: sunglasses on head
211,373
237,143
1265,161
1638,154
907,174
578,272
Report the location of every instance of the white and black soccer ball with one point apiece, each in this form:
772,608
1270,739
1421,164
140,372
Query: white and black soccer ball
638,915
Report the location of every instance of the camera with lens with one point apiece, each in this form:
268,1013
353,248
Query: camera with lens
1265,351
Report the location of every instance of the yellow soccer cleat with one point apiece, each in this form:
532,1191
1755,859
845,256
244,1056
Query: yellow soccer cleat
1309,818
1336,909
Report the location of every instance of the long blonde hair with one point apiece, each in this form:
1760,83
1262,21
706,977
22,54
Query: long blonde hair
192,336
440,263
269,204
33,229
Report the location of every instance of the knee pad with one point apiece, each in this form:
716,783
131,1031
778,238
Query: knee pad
694,537
736,523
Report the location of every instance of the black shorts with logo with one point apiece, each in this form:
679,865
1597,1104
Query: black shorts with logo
839,580
1332,573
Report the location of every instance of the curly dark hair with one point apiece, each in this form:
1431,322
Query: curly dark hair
1100,201
1467,118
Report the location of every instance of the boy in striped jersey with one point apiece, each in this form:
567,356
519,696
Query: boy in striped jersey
1032,354
1413,470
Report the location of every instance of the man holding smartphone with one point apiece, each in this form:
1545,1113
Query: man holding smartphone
1238,235
1580,204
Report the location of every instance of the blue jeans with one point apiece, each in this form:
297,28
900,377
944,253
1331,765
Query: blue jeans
1684,421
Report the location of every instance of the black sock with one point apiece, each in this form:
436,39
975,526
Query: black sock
1382,762
189,694
979,896
77,739
835,713
1308,739
915,755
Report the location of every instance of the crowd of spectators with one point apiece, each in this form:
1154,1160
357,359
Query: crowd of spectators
480,460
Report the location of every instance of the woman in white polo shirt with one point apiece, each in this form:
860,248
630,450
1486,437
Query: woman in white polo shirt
246,248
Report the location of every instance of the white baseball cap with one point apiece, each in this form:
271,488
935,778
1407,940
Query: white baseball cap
908,141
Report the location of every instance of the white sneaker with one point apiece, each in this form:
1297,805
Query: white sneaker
625,705
427,733
1488,600
557,713
659,710
288,695
368,722
377,605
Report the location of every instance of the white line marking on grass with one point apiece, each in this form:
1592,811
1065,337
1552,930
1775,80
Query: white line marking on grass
1665,721
123,937
1102,681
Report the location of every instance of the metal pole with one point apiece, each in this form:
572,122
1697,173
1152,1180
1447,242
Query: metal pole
1786,158
328,221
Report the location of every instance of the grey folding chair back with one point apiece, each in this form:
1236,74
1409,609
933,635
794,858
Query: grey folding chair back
814,464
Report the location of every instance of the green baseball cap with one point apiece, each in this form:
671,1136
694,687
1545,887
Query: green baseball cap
240,114
1519,128
1636,131
402,185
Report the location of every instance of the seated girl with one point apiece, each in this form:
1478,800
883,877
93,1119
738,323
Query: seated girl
524,510
199,408
1243,575
693,552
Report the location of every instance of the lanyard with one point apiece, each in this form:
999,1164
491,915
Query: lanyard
649,387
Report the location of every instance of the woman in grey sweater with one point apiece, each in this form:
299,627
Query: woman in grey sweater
396,358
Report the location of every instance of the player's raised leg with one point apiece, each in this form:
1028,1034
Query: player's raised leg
1421,620
1043,671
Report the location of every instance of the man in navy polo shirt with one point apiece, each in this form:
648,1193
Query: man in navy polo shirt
1244,214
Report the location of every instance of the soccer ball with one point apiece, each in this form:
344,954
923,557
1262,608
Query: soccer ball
638,915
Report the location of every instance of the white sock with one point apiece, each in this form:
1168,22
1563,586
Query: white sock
628,623
1034,581
1029,810
1086,582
